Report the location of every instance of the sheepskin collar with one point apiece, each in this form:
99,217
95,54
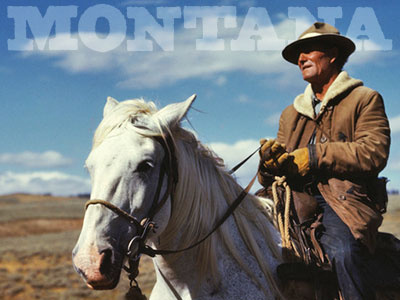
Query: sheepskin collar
342,83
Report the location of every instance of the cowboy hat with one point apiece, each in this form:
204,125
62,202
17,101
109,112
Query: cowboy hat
319,32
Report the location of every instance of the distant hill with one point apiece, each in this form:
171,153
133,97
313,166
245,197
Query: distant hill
29,198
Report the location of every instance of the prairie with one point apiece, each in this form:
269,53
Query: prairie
37,234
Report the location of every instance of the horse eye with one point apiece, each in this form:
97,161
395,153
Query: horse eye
144,166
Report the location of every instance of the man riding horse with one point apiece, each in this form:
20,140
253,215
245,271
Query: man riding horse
331,144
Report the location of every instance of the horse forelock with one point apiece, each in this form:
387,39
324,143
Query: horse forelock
124,113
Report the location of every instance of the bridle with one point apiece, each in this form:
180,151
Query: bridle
144,226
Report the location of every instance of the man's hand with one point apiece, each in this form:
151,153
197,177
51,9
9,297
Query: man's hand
272,155
297,163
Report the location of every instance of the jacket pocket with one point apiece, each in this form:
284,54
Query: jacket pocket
347,190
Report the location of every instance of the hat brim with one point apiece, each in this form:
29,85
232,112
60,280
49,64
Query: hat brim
292,51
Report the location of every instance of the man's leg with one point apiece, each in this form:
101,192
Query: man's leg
348,256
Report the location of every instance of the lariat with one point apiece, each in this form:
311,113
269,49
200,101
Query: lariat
283,214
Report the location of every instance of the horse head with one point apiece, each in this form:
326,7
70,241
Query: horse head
128,171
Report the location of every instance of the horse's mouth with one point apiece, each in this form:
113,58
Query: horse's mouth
103,284
99,272
101,280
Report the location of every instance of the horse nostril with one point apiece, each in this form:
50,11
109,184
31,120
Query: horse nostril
106,261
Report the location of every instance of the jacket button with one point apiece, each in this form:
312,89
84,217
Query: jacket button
323,139
342,197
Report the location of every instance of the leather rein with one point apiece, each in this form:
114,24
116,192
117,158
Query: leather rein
143,227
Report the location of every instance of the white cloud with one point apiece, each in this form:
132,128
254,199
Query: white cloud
273,119
221,80
247,3
232,154
242,3
47,159
56,183
358,58
395,124
394,166
151,69
158,68
243,99
143,2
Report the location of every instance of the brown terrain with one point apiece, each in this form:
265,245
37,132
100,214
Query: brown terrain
37,234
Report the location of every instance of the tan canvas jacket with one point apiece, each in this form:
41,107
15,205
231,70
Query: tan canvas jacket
352,147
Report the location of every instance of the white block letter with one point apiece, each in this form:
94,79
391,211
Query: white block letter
146,23
366,32
303,19
257,25
59,16
330,14
87,28
209,16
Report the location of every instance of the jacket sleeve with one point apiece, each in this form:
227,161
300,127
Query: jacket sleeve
264,178
280,137
367,153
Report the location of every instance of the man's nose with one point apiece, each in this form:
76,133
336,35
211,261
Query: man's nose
302,59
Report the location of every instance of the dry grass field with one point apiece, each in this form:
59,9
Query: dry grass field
37,234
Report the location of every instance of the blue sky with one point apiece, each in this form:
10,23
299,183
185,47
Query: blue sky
52,100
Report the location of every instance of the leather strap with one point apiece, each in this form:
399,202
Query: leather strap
314,240
235,168
131,219
228,212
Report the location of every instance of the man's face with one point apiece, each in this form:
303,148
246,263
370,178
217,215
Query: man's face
316,63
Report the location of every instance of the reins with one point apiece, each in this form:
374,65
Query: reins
226,215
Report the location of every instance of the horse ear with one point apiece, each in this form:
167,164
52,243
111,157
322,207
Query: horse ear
172,114
110,104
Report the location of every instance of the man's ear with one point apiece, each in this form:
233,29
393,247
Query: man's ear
333,54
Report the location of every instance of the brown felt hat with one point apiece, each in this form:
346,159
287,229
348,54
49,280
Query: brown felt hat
319,32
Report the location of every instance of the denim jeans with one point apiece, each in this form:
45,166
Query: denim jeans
349,257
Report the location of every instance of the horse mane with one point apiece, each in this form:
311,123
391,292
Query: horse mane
204,191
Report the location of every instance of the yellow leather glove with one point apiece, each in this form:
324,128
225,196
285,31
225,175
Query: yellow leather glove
272,155
297,163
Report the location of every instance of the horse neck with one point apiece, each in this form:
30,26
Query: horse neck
200,197
181,274
203,194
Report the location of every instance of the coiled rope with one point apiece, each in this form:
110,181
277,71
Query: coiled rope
283,217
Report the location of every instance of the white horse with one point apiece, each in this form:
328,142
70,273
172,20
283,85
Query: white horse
238,261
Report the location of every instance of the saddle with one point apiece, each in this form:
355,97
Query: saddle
305,260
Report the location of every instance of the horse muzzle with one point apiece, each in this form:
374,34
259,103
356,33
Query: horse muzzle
99,269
